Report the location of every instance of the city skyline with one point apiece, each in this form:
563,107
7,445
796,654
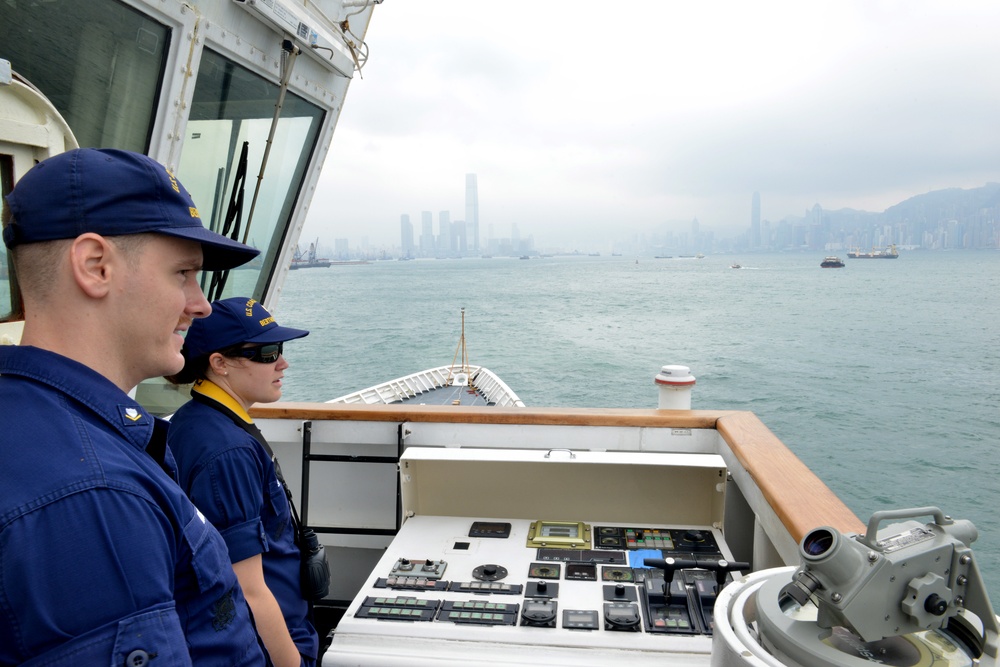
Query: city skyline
458,238
858,104
816,229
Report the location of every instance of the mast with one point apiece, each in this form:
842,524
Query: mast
465,353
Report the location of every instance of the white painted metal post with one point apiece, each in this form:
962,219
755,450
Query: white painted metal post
675,384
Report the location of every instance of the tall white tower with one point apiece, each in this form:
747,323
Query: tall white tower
472,211
445,239
755,240
426,233
406,235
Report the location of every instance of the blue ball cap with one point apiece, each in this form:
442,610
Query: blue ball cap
233,321
111,192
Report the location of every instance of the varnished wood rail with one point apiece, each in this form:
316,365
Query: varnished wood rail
800,499
490,415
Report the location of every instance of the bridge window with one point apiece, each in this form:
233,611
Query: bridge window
99,62
233,105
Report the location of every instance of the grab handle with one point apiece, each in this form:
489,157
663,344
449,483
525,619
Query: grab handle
878,517
548,454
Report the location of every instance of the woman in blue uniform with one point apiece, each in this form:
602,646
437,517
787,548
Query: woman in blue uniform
229,471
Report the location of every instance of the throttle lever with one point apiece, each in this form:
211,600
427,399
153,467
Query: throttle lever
669,565
721,567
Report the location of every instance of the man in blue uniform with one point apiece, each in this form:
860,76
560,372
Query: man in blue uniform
103,560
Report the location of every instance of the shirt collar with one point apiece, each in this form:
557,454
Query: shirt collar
209,389
82,384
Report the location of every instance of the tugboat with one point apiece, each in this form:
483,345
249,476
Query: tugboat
832,262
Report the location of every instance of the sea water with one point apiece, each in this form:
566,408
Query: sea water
883,376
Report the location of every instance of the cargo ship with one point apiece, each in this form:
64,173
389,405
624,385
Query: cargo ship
875,253
301,260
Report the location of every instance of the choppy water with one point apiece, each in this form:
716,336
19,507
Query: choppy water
883,377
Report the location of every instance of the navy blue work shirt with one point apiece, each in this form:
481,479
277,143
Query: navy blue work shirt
232,480
103,559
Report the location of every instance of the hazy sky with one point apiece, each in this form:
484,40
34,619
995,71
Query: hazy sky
586,120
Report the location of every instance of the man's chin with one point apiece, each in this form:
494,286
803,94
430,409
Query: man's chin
175,366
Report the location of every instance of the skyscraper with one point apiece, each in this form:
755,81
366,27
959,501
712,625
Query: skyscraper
472,212
426,233
341,249
406,235
445,243
755,221
458,230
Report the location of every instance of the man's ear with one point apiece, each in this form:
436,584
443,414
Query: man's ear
91,259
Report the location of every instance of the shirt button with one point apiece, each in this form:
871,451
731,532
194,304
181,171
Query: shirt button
137,658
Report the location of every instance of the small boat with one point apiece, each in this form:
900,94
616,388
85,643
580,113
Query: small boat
832,262
735,266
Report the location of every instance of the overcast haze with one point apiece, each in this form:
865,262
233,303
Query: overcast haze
585,120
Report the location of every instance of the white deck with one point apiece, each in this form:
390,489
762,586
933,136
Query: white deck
436,386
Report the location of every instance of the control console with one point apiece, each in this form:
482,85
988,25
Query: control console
536,585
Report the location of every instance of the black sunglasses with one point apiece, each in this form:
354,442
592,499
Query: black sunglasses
262,354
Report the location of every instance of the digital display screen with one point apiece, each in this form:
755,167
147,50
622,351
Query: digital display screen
580,619
491,527
571,534
581,571
560,530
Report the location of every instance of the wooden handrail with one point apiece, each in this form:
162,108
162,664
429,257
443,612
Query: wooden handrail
490,415
800,499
